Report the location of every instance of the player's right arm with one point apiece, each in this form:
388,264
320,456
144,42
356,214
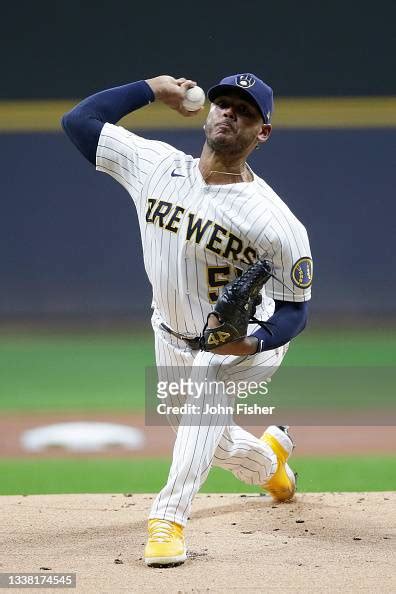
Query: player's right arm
84,123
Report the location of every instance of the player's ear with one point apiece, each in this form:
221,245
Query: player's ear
264,133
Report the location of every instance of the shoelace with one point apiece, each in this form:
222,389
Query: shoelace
161,531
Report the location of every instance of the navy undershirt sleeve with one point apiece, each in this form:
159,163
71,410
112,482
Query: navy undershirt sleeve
84,123
288,320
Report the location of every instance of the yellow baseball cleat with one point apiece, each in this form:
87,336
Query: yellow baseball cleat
165,544
282,484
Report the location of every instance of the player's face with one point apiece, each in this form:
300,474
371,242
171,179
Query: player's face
234,125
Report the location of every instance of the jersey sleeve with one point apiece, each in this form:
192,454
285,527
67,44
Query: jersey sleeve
290,255
127,157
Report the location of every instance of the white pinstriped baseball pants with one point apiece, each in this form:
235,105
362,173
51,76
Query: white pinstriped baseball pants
216,441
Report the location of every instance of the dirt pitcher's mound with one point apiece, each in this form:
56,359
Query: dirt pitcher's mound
329,542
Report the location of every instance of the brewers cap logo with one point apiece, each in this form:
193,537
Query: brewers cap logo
245,80
302,273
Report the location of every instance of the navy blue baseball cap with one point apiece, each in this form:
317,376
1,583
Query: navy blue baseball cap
250,84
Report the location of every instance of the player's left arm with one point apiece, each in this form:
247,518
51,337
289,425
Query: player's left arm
289,287
288,320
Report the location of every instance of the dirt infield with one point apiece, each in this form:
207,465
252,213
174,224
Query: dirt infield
329,440
328,542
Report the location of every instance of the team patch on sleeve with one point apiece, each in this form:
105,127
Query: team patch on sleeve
302,273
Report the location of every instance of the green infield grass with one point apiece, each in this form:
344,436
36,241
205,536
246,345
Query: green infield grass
28,476
99,372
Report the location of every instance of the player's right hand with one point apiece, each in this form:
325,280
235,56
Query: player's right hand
171,91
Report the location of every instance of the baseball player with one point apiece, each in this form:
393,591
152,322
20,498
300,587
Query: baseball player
207,223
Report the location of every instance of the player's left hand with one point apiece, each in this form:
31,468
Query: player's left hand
172,91
243,346
225,332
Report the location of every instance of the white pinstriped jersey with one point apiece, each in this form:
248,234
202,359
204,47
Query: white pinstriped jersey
197,237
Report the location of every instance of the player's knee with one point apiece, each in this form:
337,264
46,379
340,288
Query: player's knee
208,366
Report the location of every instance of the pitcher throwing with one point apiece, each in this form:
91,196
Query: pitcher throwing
206,223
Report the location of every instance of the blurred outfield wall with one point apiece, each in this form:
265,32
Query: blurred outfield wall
70,244
69,241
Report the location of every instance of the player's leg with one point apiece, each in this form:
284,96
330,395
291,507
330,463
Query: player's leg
249,462
166,544
173,362
197,438
261,461
197,441
200,434
247,457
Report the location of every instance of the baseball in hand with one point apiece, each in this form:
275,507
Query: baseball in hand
194,99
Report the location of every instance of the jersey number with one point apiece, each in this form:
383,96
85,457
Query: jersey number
219,276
